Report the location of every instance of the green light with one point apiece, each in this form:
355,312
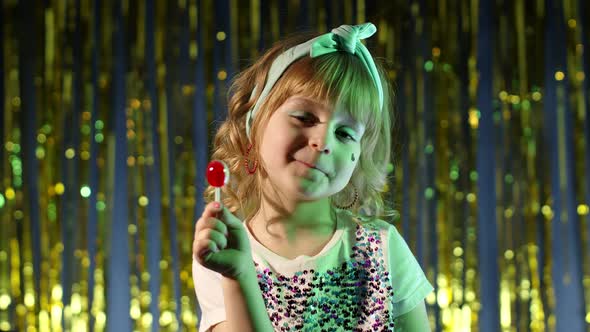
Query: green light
527,131
429,193
428,65
46,128
526,104
454,174
429,148
473,175
98,138
508,178
40,152
51,212
447,67
100,206
99,124
85,129
85,191
497,116
2,201
389,168
15,148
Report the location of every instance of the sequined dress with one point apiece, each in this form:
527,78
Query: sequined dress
363,279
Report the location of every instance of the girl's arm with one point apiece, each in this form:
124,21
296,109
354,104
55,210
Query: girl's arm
244,306
413,321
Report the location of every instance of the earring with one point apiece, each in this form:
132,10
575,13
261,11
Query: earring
247,163
356,196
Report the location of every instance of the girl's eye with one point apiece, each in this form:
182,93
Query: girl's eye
348,135
303,119
308,120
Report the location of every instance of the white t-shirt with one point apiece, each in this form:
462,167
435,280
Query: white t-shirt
363,279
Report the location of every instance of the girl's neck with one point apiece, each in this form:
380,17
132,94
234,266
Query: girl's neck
315,218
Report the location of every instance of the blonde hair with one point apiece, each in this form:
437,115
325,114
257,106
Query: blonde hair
338,77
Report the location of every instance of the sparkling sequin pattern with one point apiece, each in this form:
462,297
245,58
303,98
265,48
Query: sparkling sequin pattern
352,297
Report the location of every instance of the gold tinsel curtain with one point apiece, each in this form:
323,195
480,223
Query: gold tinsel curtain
108,109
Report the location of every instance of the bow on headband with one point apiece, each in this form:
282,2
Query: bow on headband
344,38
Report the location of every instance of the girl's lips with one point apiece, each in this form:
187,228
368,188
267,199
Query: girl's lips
311,166
306,164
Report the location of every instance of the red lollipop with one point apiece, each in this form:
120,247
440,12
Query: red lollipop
217,176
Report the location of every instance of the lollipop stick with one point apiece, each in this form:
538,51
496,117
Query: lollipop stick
218,194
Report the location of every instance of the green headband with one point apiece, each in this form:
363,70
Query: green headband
344,38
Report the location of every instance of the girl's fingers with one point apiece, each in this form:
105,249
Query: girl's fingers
211,239
213,223
218,238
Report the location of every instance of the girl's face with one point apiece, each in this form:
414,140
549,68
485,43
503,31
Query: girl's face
304,131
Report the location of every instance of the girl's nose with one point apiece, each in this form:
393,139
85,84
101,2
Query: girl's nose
321,149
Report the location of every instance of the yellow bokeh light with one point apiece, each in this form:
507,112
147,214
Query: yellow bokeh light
583,209
166,318
132,229
135,312
59,188
222,75
503,95
559,75
431,298
571,23
4,301
29,300
547,211
56,293
435,52
41,138
101,319
76,303
473,118
146,320
537,96
9,193
509,254
143,201
220,36
135,103
70,153
443,297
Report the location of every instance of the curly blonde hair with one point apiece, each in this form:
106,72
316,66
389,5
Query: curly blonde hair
338,77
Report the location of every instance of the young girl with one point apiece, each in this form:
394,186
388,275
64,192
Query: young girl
307,141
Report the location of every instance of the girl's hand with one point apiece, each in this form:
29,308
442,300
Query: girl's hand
222,245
